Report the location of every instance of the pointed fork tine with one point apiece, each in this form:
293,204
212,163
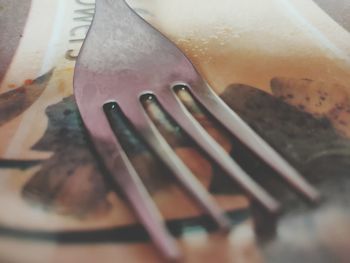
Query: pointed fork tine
152,136
172,105
126,177
252,140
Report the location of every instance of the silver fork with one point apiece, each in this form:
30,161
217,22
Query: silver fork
125,60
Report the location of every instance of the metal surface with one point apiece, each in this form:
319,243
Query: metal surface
124,58
13,17
339,10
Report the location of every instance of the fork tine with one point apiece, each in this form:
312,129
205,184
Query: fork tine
151,135
172,105
126,177
252,140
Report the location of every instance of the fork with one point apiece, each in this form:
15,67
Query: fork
126,61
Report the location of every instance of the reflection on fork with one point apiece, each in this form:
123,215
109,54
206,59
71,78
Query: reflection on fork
127,62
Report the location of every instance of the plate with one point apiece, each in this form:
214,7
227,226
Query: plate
283,66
